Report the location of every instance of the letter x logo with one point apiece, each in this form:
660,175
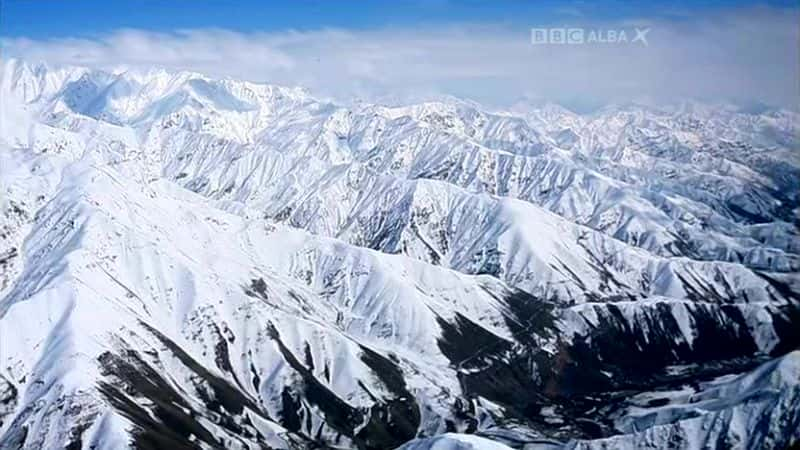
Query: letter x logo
641,35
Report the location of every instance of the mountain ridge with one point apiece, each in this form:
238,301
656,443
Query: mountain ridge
196,262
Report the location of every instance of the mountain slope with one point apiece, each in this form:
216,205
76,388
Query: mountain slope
188,262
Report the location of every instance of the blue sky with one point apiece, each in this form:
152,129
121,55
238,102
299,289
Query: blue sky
87,18
401,51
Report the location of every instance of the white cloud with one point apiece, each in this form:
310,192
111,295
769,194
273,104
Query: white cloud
743,54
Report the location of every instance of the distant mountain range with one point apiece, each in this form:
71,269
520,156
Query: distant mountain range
189,262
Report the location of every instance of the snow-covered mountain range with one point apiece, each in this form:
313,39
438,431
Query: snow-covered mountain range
187,262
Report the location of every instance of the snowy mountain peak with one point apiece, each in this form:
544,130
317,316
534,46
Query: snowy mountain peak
192,262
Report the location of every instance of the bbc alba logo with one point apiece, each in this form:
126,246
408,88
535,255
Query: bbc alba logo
578,36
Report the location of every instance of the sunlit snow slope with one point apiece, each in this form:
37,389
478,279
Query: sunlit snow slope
188,262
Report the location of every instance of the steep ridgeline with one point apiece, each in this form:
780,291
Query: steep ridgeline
196,263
